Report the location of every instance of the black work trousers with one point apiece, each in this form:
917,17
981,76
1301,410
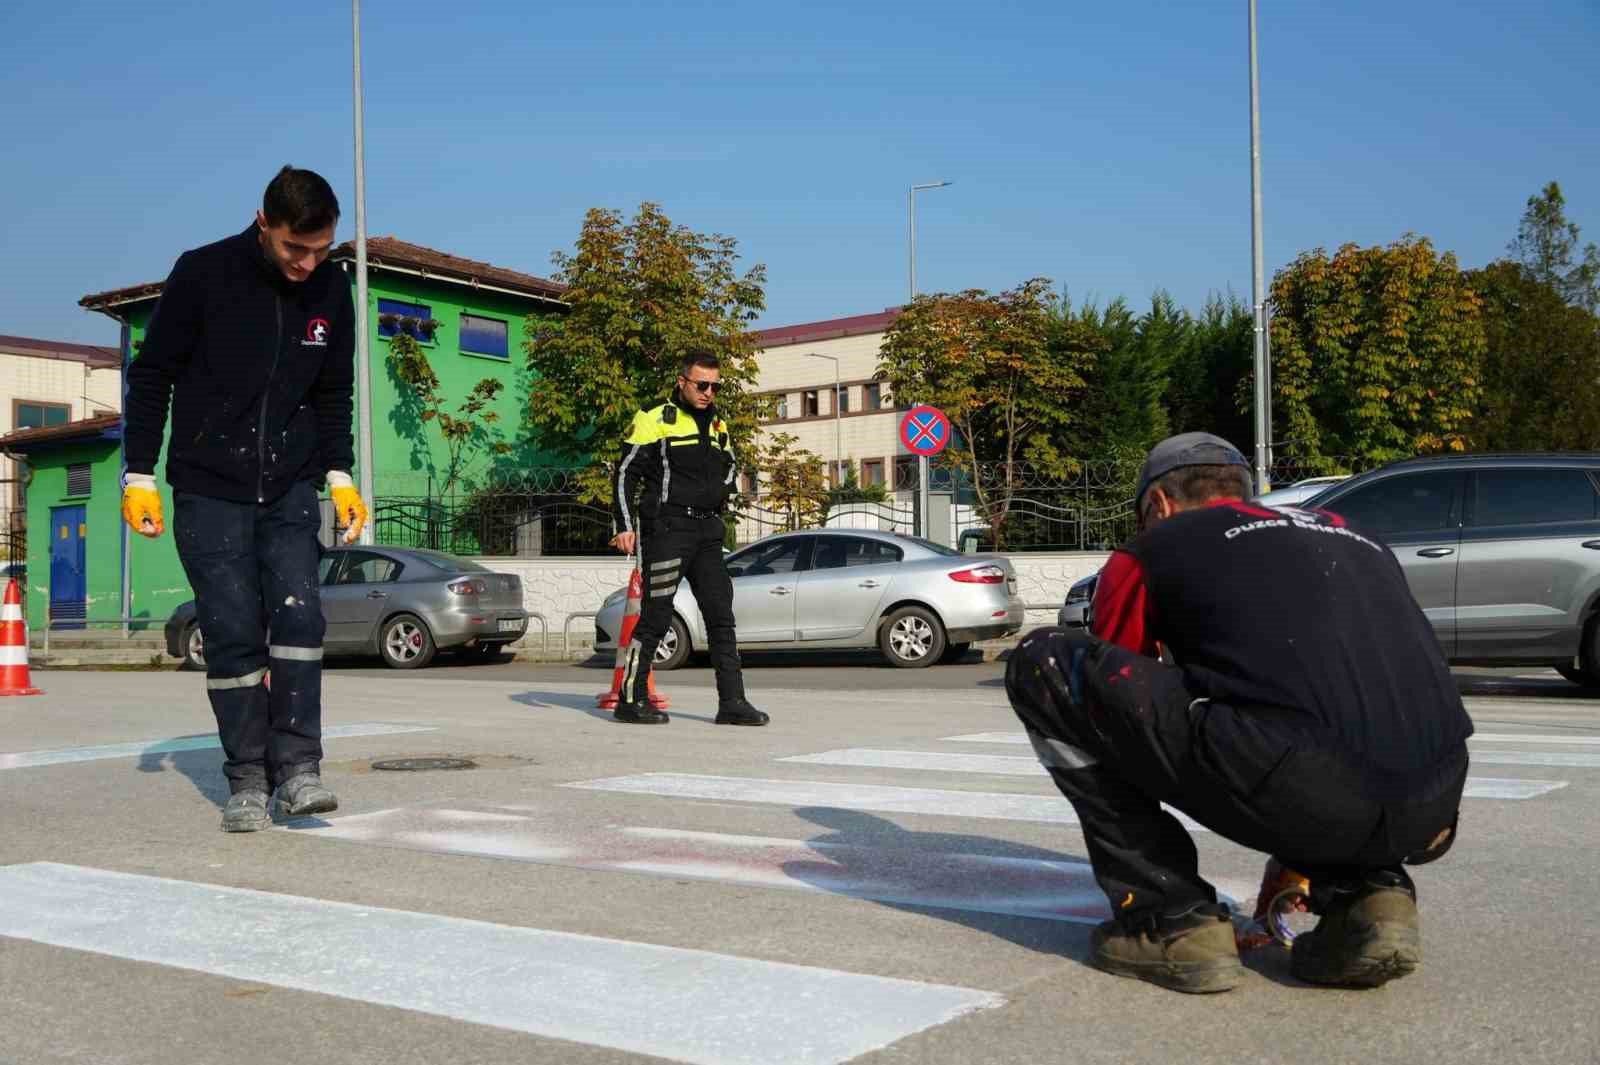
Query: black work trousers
1121,735
673,548
253,568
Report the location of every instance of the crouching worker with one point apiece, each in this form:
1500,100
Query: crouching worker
1309,714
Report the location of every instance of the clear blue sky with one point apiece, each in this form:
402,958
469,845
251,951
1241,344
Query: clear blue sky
1103,145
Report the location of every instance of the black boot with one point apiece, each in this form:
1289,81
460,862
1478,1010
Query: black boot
739,712
640,714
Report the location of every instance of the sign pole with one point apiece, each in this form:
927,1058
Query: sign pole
922,496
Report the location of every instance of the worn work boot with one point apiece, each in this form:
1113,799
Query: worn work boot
303,794
640,714
740,712
1193,952
246,811
1369,934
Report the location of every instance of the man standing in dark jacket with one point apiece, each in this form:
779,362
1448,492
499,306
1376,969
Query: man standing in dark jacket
251,345
672,485
1309,714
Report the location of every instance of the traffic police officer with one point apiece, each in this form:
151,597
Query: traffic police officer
681,456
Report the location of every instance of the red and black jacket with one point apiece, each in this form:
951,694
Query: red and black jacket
1292,612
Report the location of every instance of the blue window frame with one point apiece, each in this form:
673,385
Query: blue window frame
395,317
485,336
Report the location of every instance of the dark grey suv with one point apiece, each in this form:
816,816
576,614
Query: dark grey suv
1502,551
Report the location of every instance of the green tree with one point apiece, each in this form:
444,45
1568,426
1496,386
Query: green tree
1547,246
1542,373
1377,354
641,294
1006,369
1124,405
1212,360
464,431
794,480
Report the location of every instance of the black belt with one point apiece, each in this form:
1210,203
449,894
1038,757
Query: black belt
678,510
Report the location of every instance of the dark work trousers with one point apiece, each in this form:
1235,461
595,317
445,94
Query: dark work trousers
673,548
1121,734
254,572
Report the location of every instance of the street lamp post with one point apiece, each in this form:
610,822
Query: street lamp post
838,446
911,213
922,460
363,346
1263,388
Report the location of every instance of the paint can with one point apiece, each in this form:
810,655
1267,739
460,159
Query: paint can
1284,893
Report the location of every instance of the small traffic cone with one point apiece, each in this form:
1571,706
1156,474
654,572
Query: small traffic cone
14,646
630,620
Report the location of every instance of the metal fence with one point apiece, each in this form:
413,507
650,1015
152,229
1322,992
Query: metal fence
542,511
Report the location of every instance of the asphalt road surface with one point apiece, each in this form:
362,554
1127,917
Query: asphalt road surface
883,875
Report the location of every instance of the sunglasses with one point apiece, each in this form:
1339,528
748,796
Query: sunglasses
706,386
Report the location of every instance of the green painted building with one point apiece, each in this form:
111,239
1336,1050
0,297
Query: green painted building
470,319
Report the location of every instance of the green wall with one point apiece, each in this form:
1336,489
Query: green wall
102,517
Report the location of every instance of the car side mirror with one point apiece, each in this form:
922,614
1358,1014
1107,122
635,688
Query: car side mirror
736,571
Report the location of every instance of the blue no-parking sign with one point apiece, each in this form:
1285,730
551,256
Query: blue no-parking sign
925,430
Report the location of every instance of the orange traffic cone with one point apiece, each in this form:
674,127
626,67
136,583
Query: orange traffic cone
630,620
14,646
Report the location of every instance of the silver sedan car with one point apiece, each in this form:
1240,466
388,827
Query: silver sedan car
402,604
916,601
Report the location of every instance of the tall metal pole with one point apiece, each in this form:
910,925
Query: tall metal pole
1263,388
838,437
363,343
922,460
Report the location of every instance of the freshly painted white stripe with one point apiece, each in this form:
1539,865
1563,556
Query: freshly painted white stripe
1503,788
13,656
984,805
1575,759
1008,765
30,759
1535,737
1480,737
10,612
1015,765
684,1005
854,854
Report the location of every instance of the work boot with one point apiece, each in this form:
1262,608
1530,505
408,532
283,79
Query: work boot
246,811
302,795
640,714
740,712
1369,934
1193,952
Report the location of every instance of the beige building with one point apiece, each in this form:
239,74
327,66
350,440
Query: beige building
859,429
49,382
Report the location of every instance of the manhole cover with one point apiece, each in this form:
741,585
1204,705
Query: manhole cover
413,764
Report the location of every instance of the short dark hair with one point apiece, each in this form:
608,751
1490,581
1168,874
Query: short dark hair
1192,485
301,199
699,357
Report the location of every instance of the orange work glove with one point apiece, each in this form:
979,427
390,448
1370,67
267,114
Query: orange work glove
349,512
141,505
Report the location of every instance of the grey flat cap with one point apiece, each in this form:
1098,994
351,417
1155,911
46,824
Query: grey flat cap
1185,449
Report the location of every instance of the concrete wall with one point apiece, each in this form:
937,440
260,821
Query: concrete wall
558,588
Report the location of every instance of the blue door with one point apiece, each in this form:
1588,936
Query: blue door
69,586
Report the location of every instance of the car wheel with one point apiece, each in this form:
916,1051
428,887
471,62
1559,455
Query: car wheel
194,648
955,652
911,638
1577,676
405,642
673,650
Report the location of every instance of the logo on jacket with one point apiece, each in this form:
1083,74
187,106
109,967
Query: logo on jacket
316,333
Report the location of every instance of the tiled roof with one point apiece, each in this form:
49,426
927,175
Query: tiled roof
830,329
381,252
23,439
91,354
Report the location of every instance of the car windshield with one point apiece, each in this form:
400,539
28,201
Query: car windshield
929,545
450,563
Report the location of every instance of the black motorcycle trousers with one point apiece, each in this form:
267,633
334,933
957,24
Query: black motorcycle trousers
672,549
1122,736
253,568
